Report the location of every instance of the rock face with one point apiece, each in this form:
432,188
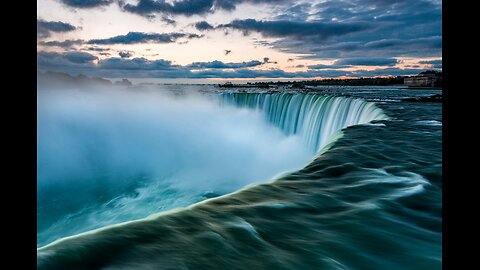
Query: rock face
433,98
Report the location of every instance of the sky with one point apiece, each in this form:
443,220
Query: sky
238,39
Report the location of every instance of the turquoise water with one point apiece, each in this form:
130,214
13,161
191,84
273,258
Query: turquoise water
371,200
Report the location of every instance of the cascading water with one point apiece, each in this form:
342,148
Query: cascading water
73,145
316,118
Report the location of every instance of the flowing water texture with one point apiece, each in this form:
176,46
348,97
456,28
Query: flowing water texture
315,117
369,199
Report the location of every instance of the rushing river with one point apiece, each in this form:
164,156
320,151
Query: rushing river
191,177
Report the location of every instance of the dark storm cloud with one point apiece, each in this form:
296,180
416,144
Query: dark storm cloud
300,30
45,28
367,61
221,65
86,3
140,37
203,25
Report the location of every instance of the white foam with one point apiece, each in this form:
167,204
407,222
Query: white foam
412,183
430,123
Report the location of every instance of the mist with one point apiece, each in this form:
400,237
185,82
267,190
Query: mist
111,155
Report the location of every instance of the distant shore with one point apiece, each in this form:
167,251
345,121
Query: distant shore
61,78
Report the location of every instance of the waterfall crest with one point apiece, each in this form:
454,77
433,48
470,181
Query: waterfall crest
315,118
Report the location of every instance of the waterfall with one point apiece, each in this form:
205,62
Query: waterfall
315,118
130,154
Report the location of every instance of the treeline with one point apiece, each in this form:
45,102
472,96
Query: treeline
381,81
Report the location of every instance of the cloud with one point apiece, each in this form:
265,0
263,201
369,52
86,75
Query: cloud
86,3
417,47
140,37
82,63
148,8
45,28
434,42
367,61
125,54
317,29
295,12
300,30
73,59
432,62
203,25
187,7
62,44
169,21
266,60
436,64
96,49
221,65
404,28
79,57
327,29
322,66
75,63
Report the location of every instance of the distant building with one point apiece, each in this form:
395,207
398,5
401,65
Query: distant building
424,79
